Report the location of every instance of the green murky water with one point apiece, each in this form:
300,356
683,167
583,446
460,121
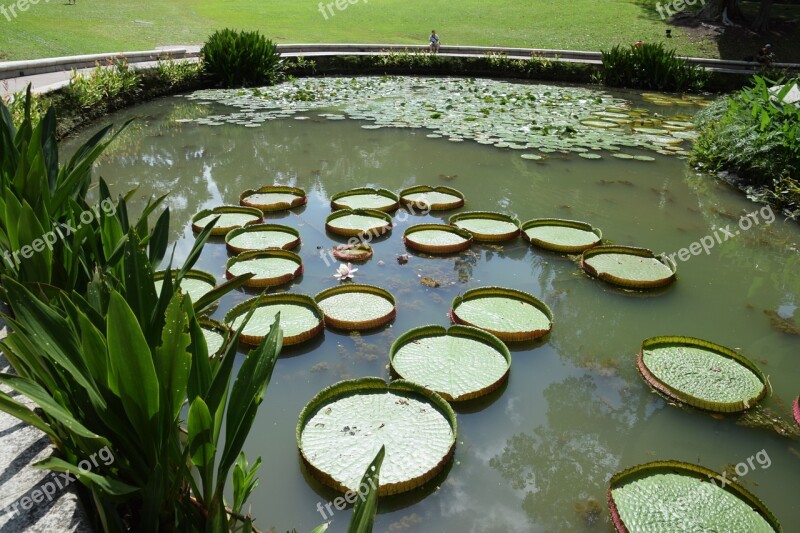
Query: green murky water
535,455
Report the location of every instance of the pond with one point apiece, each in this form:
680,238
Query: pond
536,454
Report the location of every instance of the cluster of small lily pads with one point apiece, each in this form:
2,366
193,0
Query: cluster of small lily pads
535,119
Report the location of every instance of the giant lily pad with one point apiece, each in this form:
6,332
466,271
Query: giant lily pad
343,427
701,374
230,217
356,307
366,198
195,283
271,267
216,335
668,496
461,363
627,266
433,198
261,237
509,314
437,238
274,198
354,222
301,319
487,226
356,252
567,236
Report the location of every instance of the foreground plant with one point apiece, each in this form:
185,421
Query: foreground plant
113,368
50,235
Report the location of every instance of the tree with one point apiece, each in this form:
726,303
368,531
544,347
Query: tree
761,24
724,11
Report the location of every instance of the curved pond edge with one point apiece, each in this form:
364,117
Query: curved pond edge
303,60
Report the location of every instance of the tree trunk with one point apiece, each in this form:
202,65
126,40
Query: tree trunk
761,24
714,10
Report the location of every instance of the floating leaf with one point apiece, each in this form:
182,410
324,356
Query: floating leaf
261,237
274,198
509,314
271,267
230,217
356,307
701,374
355,222
301,319
195,283
627,266
487,226
216,335
366,198
437,238
668,496
353,252
558,235
433,198
599,123
461,363
342,428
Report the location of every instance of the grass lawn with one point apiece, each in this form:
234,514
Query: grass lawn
52,28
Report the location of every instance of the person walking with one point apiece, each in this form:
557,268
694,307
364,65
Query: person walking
434,42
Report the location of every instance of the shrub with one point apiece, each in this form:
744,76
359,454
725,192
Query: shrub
178,73
650,66
240,58
17,103
756,135
106,84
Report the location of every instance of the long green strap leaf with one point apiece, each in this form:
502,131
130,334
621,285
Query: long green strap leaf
132,369
367,506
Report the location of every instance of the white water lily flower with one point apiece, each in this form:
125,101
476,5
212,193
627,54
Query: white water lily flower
345,272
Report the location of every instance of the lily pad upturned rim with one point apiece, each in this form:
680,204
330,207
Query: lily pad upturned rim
457,330
302,198
688,469
688,399
361,324
221,210
255,281
562,222
347,232
488,215
367,190
373,384
433,207
438,249
191,274
624,282
255,228
505,336
219,327
278,298
796,410
339,253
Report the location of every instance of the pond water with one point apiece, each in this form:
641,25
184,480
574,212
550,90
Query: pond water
536,455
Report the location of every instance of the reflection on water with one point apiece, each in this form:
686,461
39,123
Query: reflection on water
537,455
